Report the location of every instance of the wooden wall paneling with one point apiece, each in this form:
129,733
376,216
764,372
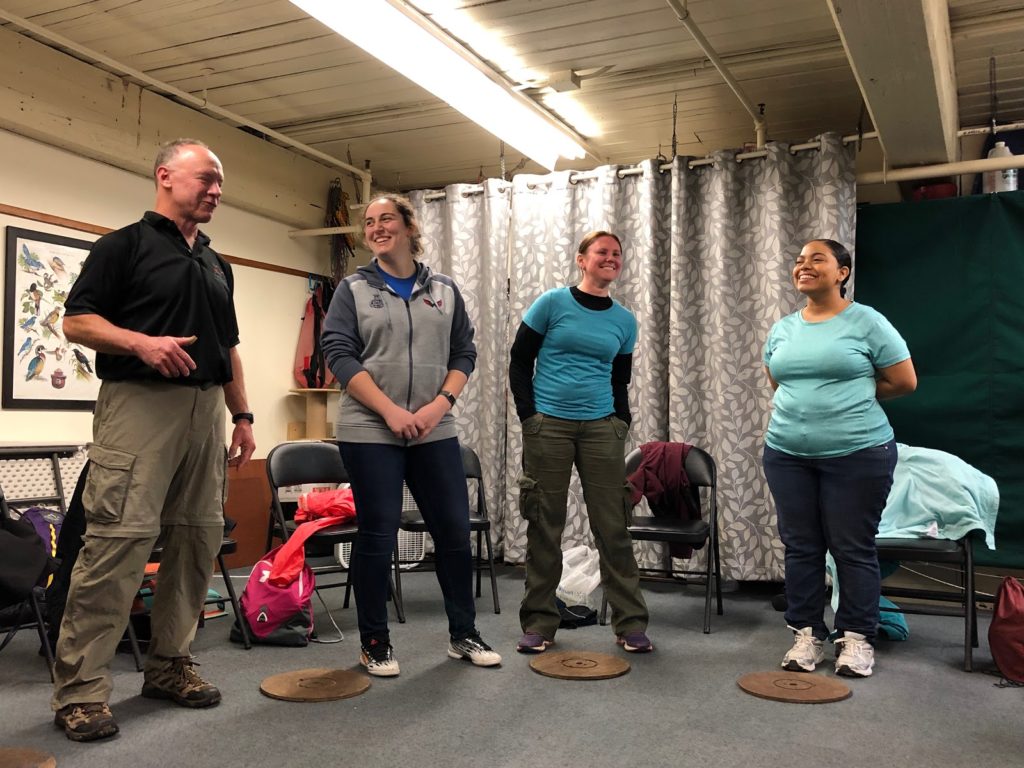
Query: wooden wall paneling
249,506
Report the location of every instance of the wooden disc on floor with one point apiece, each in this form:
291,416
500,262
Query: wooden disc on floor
315,685
579,665
794,687
22,757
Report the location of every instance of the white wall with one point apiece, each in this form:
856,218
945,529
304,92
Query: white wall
269,305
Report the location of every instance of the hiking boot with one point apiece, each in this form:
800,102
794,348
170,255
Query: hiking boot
179,682
533,642
807,651
857,657
379,658
635,642
86,722
475,650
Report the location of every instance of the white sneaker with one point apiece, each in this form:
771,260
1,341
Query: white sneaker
857,657
807,651
474,649
379,659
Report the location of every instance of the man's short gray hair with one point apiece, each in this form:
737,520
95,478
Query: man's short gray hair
169,149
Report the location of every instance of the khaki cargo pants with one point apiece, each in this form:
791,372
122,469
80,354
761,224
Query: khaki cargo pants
157,467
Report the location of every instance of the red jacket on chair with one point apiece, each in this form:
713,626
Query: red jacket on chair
661,479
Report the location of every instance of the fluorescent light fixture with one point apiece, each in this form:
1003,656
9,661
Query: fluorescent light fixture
450,16
413,46
566,106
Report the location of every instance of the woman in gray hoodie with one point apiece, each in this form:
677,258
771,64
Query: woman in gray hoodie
399,341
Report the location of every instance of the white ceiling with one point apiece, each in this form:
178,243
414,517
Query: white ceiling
269,62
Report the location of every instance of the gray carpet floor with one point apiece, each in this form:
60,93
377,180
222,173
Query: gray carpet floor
679,706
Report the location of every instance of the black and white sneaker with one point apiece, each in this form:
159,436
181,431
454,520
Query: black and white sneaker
379,659
475,650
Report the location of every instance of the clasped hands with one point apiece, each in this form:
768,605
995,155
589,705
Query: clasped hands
416,426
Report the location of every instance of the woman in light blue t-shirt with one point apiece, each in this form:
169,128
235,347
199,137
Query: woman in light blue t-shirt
829,454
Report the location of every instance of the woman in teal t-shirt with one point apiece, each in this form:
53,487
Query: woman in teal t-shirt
829,454
569,371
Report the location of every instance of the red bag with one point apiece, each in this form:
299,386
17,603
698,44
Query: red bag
1006,632
290,559
316,504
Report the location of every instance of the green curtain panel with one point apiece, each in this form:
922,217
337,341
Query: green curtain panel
949,274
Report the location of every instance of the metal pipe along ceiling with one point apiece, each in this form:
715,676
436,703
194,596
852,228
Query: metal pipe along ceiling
683,14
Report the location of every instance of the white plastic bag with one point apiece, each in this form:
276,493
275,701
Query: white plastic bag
581,576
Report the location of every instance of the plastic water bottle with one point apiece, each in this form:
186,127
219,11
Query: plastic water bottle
999,181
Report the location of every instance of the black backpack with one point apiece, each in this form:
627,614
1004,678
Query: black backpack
24,564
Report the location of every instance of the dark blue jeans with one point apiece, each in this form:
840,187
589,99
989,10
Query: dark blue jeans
434,474
831,505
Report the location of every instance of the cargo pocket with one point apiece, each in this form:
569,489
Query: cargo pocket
627,503
529,498
106,488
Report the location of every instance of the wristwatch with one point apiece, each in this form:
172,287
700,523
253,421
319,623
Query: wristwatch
243,415
448,396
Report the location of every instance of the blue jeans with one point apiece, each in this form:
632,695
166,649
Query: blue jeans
434,474
833,505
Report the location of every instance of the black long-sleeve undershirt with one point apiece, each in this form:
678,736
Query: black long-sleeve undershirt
524,353
527,346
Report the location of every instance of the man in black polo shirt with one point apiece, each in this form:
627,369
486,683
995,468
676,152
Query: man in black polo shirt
156,303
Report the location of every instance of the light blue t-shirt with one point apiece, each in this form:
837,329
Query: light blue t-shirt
573,376
825,404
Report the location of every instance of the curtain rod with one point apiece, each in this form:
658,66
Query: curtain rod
637,170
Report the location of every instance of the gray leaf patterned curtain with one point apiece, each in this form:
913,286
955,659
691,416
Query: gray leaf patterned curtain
707,256
465,236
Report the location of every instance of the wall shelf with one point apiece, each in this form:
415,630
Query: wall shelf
315,427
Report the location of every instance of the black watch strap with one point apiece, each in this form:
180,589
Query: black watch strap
243,415
448,396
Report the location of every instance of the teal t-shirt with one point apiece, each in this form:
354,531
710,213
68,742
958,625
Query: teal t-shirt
573,375
825,404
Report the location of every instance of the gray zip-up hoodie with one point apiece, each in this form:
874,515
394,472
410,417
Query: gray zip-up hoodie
408,347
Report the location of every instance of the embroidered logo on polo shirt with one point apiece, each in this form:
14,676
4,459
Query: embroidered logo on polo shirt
377,302
438,304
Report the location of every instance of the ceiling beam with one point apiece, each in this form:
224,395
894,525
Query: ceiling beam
902,56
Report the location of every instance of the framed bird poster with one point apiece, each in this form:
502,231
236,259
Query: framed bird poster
42,370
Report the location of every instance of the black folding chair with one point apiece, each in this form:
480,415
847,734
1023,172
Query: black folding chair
30,611
703,476
958,601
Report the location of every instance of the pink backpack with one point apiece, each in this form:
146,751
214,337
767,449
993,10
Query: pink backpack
276,601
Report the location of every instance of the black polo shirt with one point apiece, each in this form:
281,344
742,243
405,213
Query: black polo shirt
145,278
